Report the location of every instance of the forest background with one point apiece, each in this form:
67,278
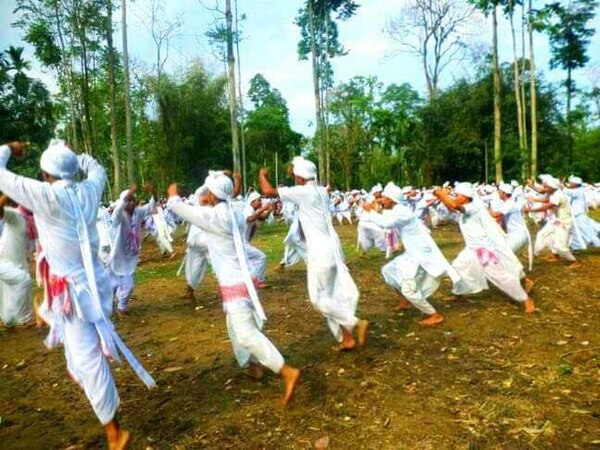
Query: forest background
478,113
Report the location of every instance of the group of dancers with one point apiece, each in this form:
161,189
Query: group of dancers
86,255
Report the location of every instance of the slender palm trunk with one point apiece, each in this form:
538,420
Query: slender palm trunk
497,112
517,88
128,131
317,95
235,143
112,101
242,119
533,97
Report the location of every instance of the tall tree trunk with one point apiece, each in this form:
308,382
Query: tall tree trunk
533,97
316,87
235,143
325,96
68,72
523,96
128,133
568,116
112,100
517,84
242,118
497,114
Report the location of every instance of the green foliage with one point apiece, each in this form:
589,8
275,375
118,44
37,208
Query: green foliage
26,110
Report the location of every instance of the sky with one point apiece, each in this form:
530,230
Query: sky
270,40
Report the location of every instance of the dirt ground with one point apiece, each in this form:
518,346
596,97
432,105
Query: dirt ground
488,377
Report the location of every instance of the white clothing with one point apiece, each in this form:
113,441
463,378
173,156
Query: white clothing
65,213
330,286
196,257
15,282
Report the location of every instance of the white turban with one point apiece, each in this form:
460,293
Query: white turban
219,184
304,168
465,189
575,180
446,184
407,189
552,183
59,161
514,183
377,188
253,196
393,192
506,188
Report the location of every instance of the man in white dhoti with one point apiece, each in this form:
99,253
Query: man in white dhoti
510,214
415,274
15,281
556,231
127,219
78,301
330,286
584,232
245,317
487,255
369,234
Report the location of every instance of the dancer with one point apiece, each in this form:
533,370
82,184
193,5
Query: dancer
245,316
415,274
78,301
330,286
486,256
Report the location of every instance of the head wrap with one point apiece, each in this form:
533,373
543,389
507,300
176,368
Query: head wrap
304,168
465,189
219,184
377,188
552,183
393,192
514,183
575,180
506,188
406,189
252,197
59,161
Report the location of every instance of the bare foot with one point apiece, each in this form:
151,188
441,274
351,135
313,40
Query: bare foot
281,267
574,265
552,258
362,328
402,305
348,343
529,306
122,441
528,284
173,256
452,298
433,319
262,285
121,313
189,294
290,377
255,370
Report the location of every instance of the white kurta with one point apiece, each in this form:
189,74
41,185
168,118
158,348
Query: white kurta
65,214
514,224
330,286
485,258
256,258
243,319
417,272
15,281
556,231
585,230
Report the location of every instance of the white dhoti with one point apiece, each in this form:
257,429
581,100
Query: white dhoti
89,367
257,261
196,261
517,240
371,235
587,235
248,342
333,293
476,270
407,277
340,216
555,235
295,245
15,294
122,286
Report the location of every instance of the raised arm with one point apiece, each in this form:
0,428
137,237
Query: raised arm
95,173
34,195
199,216
450,203
148,207
266,187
